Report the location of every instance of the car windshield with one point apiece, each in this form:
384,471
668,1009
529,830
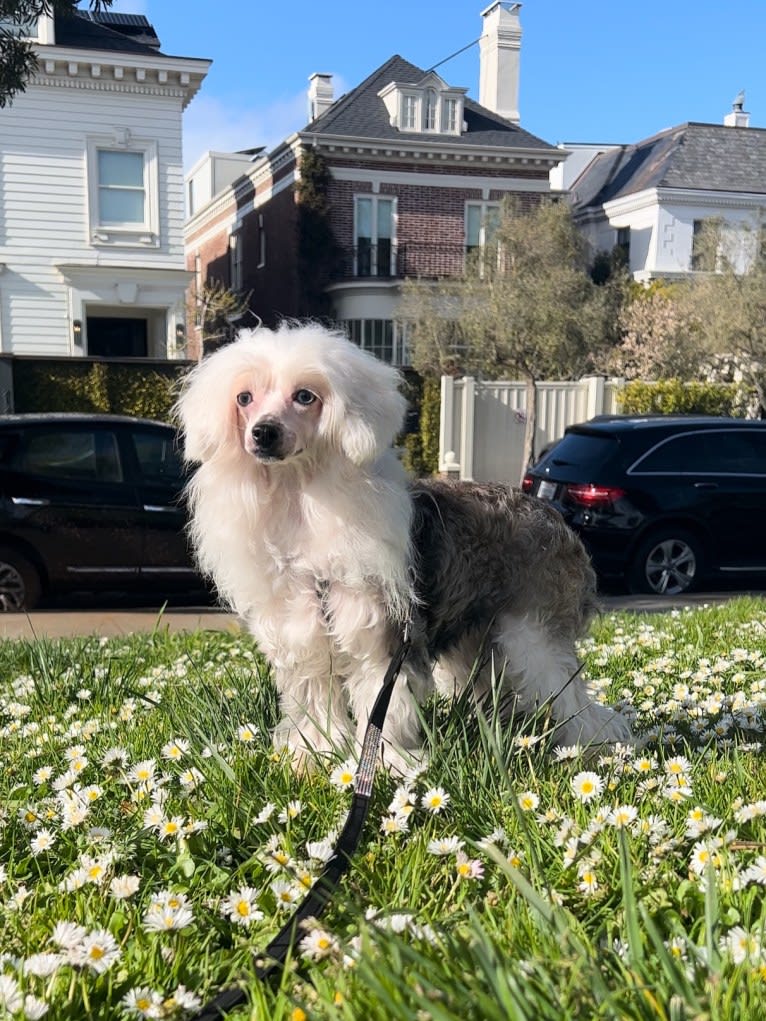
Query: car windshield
586,450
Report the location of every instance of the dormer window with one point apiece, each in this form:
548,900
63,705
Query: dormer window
429,106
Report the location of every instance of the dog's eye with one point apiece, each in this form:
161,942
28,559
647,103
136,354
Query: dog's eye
244,398
304,397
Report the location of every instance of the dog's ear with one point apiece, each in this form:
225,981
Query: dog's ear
368,407
205,411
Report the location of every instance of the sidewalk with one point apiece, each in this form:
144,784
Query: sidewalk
110,623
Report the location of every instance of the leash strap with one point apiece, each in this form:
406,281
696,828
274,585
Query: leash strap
314,903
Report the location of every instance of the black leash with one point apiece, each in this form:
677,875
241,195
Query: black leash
317,899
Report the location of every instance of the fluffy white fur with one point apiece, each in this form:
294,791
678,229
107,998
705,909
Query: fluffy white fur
302,516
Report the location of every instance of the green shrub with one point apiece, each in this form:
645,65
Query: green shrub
142,390
421,448
673,395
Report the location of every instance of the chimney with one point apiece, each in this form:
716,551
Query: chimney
321,95
500,48
738,118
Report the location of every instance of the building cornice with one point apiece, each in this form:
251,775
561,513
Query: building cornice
113,71
677,197
437,151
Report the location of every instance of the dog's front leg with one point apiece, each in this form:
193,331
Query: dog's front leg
315,718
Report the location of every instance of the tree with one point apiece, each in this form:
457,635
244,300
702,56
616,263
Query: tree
216,311
526,306
726,306
18,61
656,340
318,252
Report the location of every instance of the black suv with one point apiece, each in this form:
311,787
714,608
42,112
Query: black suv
90,502
661,501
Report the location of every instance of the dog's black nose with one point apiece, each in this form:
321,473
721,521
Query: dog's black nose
266,435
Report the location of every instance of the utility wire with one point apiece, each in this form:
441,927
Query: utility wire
455,54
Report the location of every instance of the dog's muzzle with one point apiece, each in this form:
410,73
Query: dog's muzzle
268,440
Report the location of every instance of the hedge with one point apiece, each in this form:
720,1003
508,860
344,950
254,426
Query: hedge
673,395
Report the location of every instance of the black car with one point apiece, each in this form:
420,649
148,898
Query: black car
90,502
661,501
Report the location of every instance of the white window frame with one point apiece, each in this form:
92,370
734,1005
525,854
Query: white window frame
409,116
485,208
375,199
431,110
140,235
261,243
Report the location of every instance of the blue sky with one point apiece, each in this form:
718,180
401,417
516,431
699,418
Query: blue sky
591,70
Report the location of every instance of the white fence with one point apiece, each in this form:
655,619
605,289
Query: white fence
481,428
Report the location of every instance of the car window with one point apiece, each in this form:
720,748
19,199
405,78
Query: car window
662,459
731,452
586,450
157,456
83,454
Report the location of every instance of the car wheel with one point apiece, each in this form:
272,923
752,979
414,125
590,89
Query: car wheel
20,586
667,564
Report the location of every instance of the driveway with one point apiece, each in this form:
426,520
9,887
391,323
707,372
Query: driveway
125,620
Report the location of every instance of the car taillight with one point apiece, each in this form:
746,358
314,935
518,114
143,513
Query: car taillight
590,495
526,484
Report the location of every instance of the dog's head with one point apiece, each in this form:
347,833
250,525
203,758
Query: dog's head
297,392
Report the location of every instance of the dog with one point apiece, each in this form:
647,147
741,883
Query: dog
302,516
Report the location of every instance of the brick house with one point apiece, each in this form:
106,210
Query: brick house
409,172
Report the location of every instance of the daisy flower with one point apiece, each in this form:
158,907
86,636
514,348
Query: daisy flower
291,811
586,786
143,1002
42,841
143,772
286,893
34,1007
435,800
247,733
468,868
265,813
241,906
123,887
42,965
394,824
445,846
11,1000
68,935
588,881
528,801
42,775
175,749
317,944
344,775
742,946
622,816
98,951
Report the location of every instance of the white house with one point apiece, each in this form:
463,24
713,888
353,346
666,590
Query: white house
653,198
92,194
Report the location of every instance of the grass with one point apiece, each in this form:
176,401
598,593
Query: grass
151,843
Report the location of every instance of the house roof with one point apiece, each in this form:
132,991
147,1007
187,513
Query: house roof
122,33
700,157
361,113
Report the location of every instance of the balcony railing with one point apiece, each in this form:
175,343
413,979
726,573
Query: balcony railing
387,260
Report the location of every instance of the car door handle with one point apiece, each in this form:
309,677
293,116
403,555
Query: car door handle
29,501
706,485
156,508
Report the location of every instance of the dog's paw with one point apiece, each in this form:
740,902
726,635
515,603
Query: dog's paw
403,763
307,746
593,727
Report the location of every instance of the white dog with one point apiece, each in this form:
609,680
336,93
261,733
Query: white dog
303,518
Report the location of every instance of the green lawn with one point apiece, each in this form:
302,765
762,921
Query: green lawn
151,843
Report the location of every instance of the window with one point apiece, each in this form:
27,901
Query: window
72,454
374,229
157,456
385,339
481,222
623,244
430,110
449,116
705,243
235,261
123,190
409,118
261,242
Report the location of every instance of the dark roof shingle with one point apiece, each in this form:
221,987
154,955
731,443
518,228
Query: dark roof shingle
361,113
700,157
